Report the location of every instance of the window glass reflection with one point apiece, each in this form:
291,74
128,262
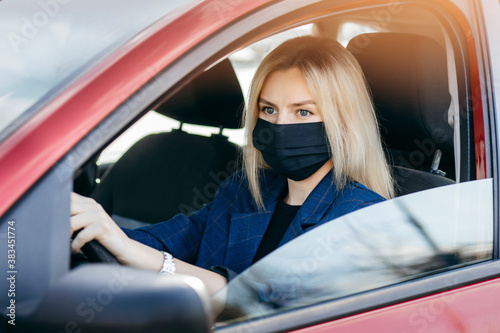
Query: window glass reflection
394,241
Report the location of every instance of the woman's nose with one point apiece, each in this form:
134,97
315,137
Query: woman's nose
282,118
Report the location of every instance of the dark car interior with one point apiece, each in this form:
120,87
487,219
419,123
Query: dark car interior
407,75
176,172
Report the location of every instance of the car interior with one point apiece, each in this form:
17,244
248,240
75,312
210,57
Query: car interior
186,168
411,95
410,66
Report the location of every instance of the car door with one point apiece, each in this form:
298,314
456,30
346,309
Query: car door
460,299
100,110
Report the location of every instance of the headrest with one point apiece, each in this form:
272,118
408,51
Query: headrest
213,98
408,77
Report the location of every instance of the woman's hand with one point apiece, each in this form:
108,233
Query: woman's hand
86,213
98,225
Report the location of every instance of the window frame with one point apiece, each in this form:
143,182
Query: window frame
40,221
256,25
486,47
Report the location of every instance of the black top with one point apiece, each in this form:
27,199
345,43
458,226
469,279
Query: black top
281,219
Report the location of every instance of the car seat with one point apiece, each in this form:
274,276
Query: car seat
408,77
176,172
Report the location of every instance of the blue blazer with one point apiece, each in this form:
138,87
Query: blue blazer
228,231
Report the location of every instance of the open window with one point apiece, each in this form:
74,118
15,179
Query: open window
443,219
433,237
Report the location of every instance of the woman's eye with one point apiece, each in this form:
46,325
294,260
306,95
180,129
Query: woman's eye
304,113
268,110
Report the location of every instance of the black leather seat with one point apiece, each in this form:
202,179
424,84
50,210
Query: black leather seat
176,172
408,78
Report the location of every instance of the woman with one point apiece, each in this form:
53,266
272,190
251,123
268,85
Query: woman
313,154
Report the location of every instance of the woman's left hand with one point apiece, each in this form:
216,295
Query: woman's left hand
88,215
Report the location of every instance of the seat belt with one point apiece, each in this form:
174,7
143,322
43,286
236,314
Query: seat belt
435,163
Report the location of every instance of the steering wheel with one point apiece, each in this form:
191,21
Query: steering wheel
96,252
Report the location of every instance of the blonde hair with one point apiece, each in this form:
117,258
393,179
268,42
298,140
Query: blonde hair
339,88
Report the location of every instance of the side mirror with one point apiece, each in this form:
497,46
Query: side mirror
112,298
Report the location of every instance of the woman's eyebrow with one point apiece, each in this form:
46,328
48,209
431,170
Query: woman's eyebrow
262,100
309,101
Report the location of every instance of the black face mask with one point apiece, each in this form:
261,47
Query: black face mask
294,150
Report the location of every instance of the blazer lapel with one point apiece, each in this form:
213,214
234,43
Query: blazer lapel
247,229
245,233
313,209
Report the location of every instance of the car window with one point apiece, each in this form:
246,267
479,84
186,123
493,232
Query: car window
245,62
153,122
394,241
49,43
349,30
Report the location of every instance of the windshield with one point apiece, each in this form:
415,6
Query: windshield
47,43
397,240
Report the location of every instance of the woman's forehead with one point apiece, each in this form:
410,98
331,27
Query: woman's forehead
285,85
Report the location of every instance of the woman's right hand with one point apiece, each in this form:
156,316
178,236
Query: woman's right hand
86,213
98,225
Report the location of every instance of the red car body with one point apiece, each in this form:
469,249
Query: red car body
34,147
